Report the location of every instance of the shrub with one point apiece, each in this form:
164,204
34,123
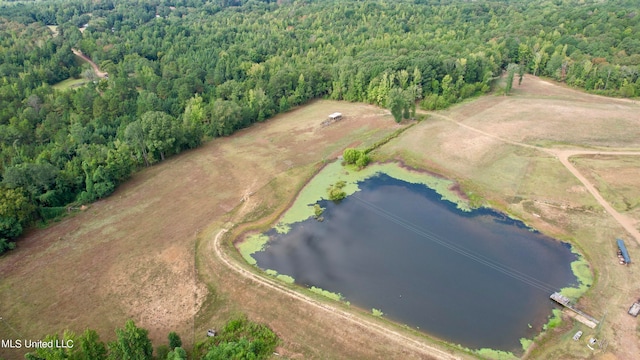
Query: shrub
174,340
335,191
363,160
350,155
356,157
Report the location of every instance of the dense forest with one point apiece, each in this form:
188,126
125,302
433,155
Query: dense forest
184,71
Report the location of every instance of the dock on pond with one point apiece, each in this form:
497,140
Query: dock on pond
582,317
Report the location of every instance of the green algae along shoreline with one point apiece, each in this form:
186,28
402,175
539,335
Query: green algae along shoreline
316,190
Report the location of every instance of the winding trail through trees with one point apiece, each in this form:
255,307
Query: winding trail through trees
395,336
96,69
563,156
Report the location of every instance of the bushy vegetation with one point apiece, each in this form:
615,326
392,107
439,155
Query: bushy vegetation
317,212
184,71
131,342
239,339
356,157
335,191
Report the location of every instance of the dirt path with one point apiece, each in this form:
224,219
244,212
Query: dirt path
400,339
96,69
563,156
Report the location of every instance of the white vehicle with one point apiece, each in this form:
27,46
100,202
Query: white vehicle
577,336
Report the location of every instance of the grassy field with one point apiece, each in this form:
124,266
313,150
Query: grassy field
541,113
146,252
70,83
133,255
616,177
531,184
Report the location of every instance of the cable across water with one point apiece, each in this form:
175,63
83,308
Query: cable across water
527,279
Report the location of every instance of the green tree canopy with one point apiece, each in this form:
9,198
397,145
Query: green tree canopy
198,68
132,343
15,211
174,340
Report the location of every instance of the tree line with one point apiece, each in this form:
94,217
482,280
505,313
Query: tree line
238,339
185,71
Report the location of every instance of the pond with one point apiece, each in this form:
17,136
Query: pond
474,278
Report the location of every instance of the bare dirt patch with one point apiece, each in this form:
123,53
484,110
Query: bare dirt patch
94,66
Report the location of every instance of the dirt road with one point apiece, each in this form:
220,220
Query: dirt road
563,156
398,338
96,69
624,221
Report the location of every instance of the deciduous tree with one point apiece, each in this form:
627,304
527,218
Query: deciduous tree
132,343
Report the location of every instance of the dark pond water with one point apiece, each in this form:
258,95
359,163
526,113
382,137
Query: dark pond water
478,279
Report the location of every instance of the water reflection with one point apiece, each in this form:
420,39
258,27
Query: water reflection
475,278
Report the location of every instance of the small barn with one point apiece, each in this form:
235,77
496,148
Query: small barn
623,253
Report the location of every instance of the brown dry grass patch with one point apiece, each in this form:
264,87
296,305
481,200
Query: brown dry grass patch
539,112
132,255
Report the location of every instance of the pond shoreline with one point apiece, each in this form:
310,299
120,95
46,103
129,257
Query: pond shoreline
445,193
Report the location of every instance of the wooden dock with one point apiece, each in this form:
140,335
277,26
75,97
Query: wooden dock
582,317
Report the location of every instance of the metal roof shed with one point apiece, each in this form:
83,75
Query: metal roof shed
623,250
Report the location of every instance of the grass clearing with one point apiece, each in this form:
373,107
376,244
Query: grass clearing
143,253
541,113
535,187
53,29
617,178
70,83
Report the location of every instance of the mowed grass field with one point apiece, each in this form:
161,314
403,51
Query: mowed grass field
146,252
